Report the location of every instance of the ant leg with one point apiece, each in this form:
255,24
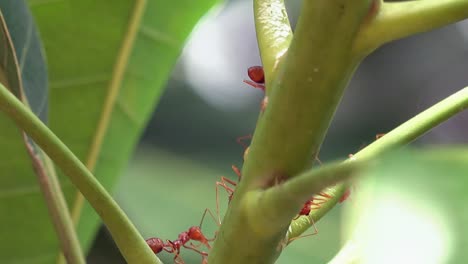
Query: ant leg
169,247
178,259
237,172
223,183
255,85
312,234
240,140
212,217
325,195
194,248
316,206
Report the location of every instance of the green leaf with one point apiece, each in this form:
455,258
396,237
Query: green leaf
412,208
29,54
108,62
24,72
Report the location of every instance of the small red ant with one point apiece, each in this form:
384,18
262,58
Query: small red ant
312,204
257,80
308,206
173,246
257,77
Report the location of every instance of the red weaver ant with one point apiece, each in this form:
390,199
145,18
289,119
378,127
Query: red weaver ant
257,80
311,204
173,246
257,77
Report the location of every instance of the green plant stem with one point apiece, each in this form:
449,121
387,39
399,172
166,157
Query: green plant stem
56,203
274,34
305,94
132,246
397,20
295,192
403,134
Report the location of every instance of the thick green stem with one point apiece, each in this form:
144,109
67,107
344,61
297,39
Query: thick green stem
304,96
274,34
132,246
403,134
397,20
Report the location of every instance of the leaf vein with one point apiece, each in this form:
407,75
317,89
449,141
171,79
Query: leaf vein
158,36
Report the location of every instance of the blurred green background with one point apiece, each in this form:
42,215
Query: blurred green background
191,139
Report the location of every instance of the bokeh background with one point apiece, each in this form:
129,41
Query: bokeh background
191,139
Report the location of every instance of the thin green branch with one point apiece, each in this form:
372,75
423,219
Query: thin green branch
56,204
271,209
403,134
303,99
397,20
132,246
274,34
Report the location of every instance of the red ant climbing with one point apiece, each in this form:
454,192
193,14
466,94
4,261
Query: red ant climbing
313,203
257,77
173,246
308,206
257,80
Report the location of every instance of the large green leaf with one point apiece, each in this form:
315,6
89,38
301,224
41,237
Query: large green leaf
106,72
24,73
412,209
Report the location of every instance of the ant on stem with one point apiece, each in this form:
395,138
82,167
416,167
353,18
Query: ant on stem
257,80
257,77
173,246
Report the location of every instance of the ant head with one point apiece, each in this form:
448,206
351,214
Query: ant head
156,244
256,74
195,233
